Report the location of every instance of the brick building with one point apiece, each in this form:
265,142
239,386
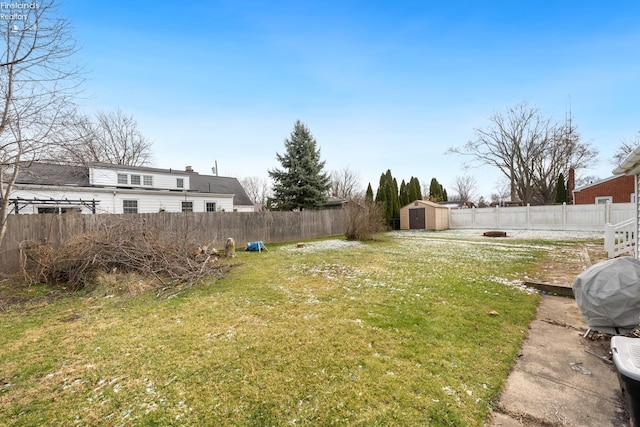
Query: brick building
615,189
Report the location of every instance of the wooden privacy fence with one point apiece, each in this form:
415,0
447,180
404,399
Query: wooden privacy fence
215,227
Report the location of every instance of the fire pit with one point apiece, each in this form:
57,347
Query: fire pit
495,234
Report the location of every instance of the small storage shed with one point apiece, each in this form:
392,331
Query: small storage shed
424,215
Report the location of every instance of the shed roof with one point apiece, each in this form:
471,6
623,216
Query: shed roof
426,203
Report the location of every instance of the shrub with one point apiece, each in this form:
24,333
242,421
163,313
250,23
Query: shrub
363,218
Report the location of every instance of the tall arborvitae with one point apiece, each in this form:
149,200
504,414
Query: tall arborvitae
414,190
396,199
561,190
368,196
381,193
437,193
387,195
404,194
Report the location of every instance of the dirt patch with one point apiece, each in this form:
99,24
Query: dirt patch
14,293
563,264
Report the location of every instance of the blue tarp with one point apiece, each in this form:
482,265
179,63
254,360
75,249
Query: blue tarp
256,246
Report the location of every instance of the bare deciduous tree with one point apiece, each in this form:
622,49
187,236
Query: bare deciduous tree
38,85
529,150
258,189
466,188
345,183
113,137
627,146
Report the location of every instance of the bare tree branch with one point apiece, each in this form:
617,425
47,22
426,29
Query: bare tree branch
627,146
466,188
38,86
113,137
258,189
345,183
529,150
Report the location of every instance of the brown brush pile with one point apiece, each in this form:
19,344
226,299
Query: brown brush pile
173,261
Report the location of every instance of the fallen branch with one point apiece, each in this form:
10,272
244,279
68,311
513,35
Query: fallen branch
127,246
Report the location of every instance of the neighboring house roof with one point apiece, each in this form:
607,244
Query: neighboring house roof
596,183
614,189
455,204
630,165
220,184
141,168
335,202
39,173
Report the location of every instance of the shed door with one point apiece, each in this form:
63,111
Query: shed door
416,219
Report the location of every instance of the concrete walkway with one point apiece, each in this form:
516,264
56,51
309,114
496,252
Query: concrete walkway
555,381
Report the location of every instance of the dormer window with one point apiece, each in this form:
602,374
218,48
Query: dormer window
122,178
135,179
180,182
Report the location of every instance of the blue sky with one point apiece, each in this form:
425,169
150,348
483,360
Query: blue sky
381,85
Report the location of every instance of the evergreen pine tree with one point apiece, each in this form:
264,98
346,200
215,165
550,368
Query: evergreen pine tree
301,183
561,190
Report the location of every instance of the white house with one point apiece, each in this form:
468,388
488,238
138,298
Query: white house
104,188
629,231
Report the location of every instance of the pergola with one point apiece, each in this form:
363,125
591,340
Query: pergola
20,203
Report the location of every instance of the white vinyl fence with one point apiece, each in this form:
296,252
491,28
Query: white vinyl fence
556,217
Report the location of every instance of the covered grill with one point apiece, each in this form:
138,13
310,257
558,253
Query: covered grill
608,294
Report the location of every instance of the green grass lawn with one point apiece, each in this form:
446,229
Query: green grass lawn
414,329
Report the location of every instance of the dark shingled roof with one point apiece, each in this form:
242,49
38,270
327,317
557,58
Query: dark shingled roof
220,185
38,173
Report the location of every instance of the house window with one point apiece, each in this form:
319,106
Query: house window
130,206
58,210
147,180
187,206
135,179
210,206
122,178
48,210
603,199
180,182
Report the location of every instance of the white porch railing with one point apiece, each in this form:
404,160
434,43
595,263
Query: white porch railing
620,239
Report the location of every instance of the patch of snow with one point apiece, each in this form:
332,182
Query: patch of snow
511,234
323,245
